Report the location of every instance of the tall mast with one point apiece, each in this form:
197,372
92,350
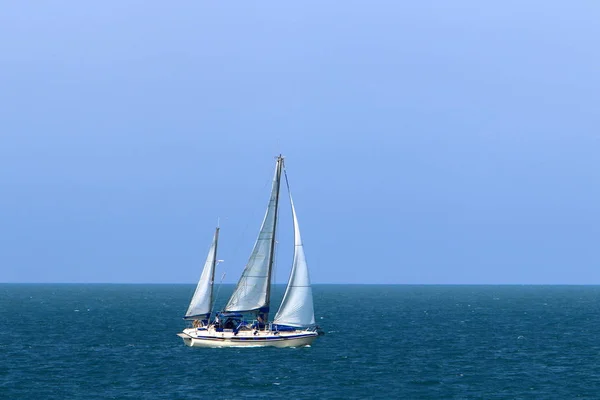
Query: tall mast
214,265
272,252
252,293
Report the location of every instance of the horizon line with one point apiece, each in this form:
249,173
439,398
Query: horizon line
313,284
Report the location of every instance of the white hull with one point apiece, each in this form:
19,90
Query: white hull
211,338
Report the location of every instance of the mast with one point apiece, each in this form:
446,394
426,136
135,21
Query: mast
214,266
201,303
272,254
253,290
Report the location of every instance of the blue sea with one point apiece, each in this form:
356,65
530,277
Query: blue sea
96,341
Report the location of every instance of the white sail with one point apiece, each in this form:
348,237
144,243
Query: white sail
201,303
253,289
297,305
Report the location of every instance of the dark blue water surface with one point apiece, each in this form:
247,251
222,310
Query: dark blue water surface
414,342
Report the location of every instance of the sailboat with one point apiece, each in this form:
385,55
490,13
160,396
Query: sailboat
244,321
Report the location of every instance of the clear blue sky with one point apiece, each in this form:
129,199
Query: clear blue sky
426,142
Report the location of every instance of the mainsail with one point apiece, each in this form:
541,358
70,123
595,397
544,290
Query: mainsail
252,292
202,300
297,304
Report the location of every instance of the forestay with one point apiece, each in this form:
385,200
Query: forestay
297,305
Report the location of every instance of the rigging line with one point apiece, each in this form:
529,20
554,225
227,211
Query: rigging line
216,297
274,277
287,183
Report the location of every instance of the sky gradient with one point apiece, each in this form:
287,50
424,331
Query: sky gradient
426,142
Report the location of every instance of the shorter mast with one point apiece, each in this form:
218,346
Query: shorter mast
201,304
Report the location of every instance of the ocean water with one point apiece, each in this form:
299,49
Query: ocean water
382,341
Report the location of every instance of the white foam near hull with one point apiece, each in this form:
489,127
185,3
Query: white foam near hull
211,338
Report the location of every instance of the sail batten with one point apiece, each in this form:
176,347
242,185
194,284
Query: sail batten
201,303
297,305
252,292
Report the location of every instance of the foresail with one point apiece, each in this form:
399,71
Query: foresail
202,300
252,290
297,304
